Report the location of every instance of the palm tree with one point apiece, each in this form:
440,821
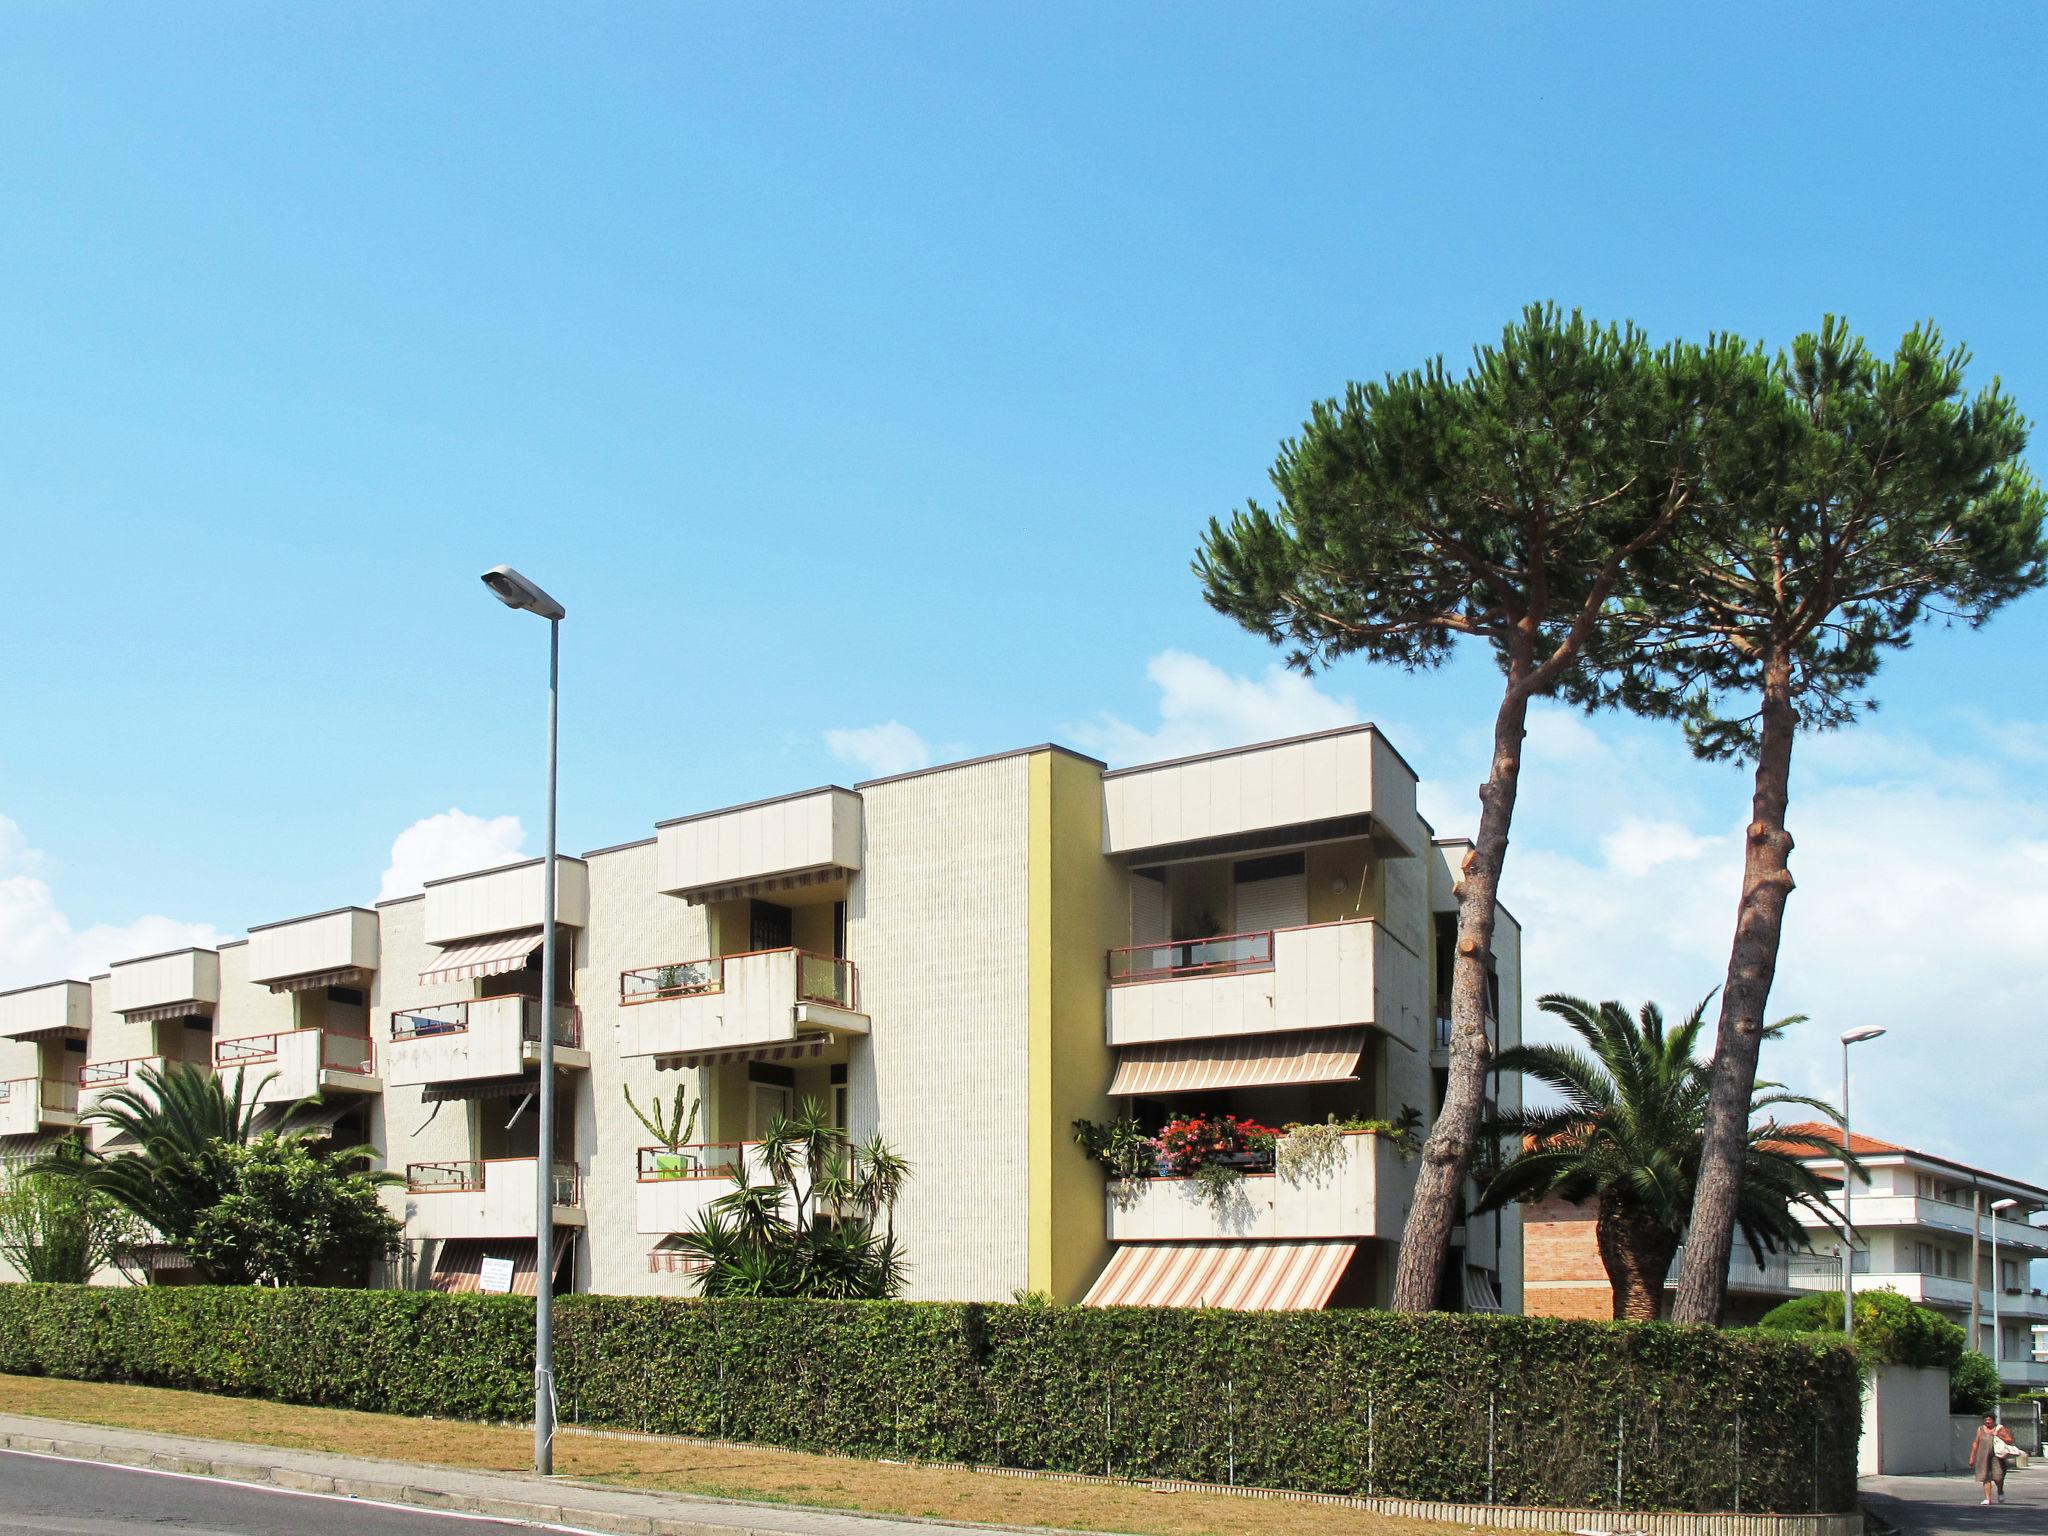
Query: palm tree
1627,1138
182,1121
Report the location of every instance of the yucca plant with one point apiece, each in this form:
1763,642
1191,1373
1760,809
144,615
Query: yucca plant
1627,1138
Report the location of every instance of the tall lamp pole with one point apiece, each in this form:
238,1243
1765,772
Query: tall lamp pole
1997,1284
1853,1037
515,591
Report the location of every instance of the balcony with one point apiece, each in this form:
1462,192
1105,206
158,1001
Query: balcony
328,949
61,1010
1253,983
183,984
506,900
1773,1277
771,997
1874,1211
1440,1035
1343,783
773,846
1365,1194
675,1185
496,1197
299,1063
96,1079
31,1105
481,1037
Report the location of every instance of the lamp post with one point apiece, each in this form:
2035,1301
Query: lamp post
1853,1037
1997,1283
515,591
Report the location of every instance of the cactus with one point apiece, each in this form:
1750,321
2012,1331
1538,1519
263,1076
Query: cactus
670,1128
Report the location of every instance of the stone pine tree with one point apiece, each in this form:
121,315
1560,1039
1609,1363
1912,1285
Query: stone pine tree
1883,497
1501,506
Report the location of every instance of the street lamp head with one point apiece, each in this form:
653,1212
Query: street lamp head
515,591
2004,1205
1853,1037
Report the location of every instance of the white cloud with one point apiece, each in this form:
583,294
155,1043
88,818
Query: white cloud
38,941
1921,905
450,843
1203,708
880,750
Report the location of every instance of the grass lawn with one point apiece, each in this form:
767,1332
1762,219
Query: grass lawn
685,1466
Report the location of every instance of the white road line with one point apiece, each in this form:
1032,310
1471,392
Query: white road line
304,1493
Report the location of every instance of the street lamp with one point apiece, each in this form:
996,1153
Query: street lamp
1997,1283
1853,1037
515,591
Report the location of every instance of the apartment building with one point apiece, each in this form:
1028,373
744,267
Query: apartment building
967,959
1925,1225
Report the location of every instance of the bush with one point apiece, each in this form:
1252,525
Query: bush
1973,1384
1890,1330
1338,1402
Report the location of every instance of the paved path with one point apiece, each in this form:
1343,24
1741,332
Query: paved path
48,1494
500,1496
1951,1504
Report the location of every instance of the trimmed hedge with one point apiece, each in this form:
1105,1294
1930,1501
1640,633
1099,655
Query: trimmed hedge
1474,1408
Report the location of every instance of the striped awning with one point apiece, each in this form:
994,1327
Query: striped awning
1480,1296
37,1036
766,885
459,1266
310,1119
492,955
162,1011
478,1088
1239,1277
313,981
1239,1061
801,1050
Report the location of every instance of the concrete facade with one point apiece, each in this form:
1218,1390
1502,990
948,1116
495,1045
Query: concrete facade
934,957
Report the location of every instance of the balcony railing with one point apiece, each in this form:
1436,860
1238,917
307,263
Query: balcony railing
112,1074
339,1052
453,1019
820,978
1446,1027
1224,955
59,1094
466,1176
699,1160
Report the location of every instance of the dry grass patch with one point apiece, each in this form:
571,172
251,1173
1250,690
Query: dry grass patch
687,1466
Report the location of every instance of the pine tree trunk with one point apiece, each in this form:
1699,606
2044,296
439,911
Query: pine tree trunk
1637,1256
1448,1152
1752,965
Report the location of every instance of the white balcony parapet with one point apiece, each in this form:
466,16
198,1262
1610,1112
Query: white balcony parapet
182,983
674,1186
1335,778
1318,977
504,900
1365,1193
769,997
296,1064
781,844
493,1197
54,1009
1876,1211
338,948
479,1037
97,1079
30,1105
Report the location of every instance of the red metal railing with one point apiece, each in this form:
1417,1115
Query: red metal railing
454,1019
820,978
693,1160
56,1093
104,1074
340,1051
466,1176
1223,955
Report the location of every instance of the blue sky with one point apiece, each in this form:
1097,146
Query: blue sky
849,367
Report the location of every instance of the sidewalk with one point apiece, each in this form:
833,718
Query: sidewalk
503,1495
1950,1503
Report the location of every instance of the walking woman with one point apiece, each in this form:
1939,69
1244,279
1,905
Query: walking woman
1986,1465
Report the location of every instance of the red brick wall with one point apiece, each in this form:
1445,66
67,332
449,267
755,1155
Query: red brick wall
1562,1275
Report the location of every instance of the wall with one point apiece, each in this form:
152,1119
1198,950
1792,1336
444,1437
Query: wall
1905,1422
1561,1272
938,922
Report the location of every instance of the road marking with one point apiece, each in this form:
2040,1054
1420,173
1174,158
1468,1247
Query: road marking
305,1493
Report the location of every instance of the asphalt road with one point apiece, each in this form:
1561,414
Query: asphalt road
1952,1505
85,1498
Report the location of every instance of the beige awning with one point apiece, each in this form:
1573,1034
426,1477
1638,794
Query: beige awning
798,1051
492,955
313,981
162,1011
1239,1061
1480,1296
766,885
37,1036
459,1266
478,1088
1238,1277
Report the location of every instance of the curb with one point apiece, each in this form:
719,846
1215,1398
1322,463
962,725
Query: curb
1579,1522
